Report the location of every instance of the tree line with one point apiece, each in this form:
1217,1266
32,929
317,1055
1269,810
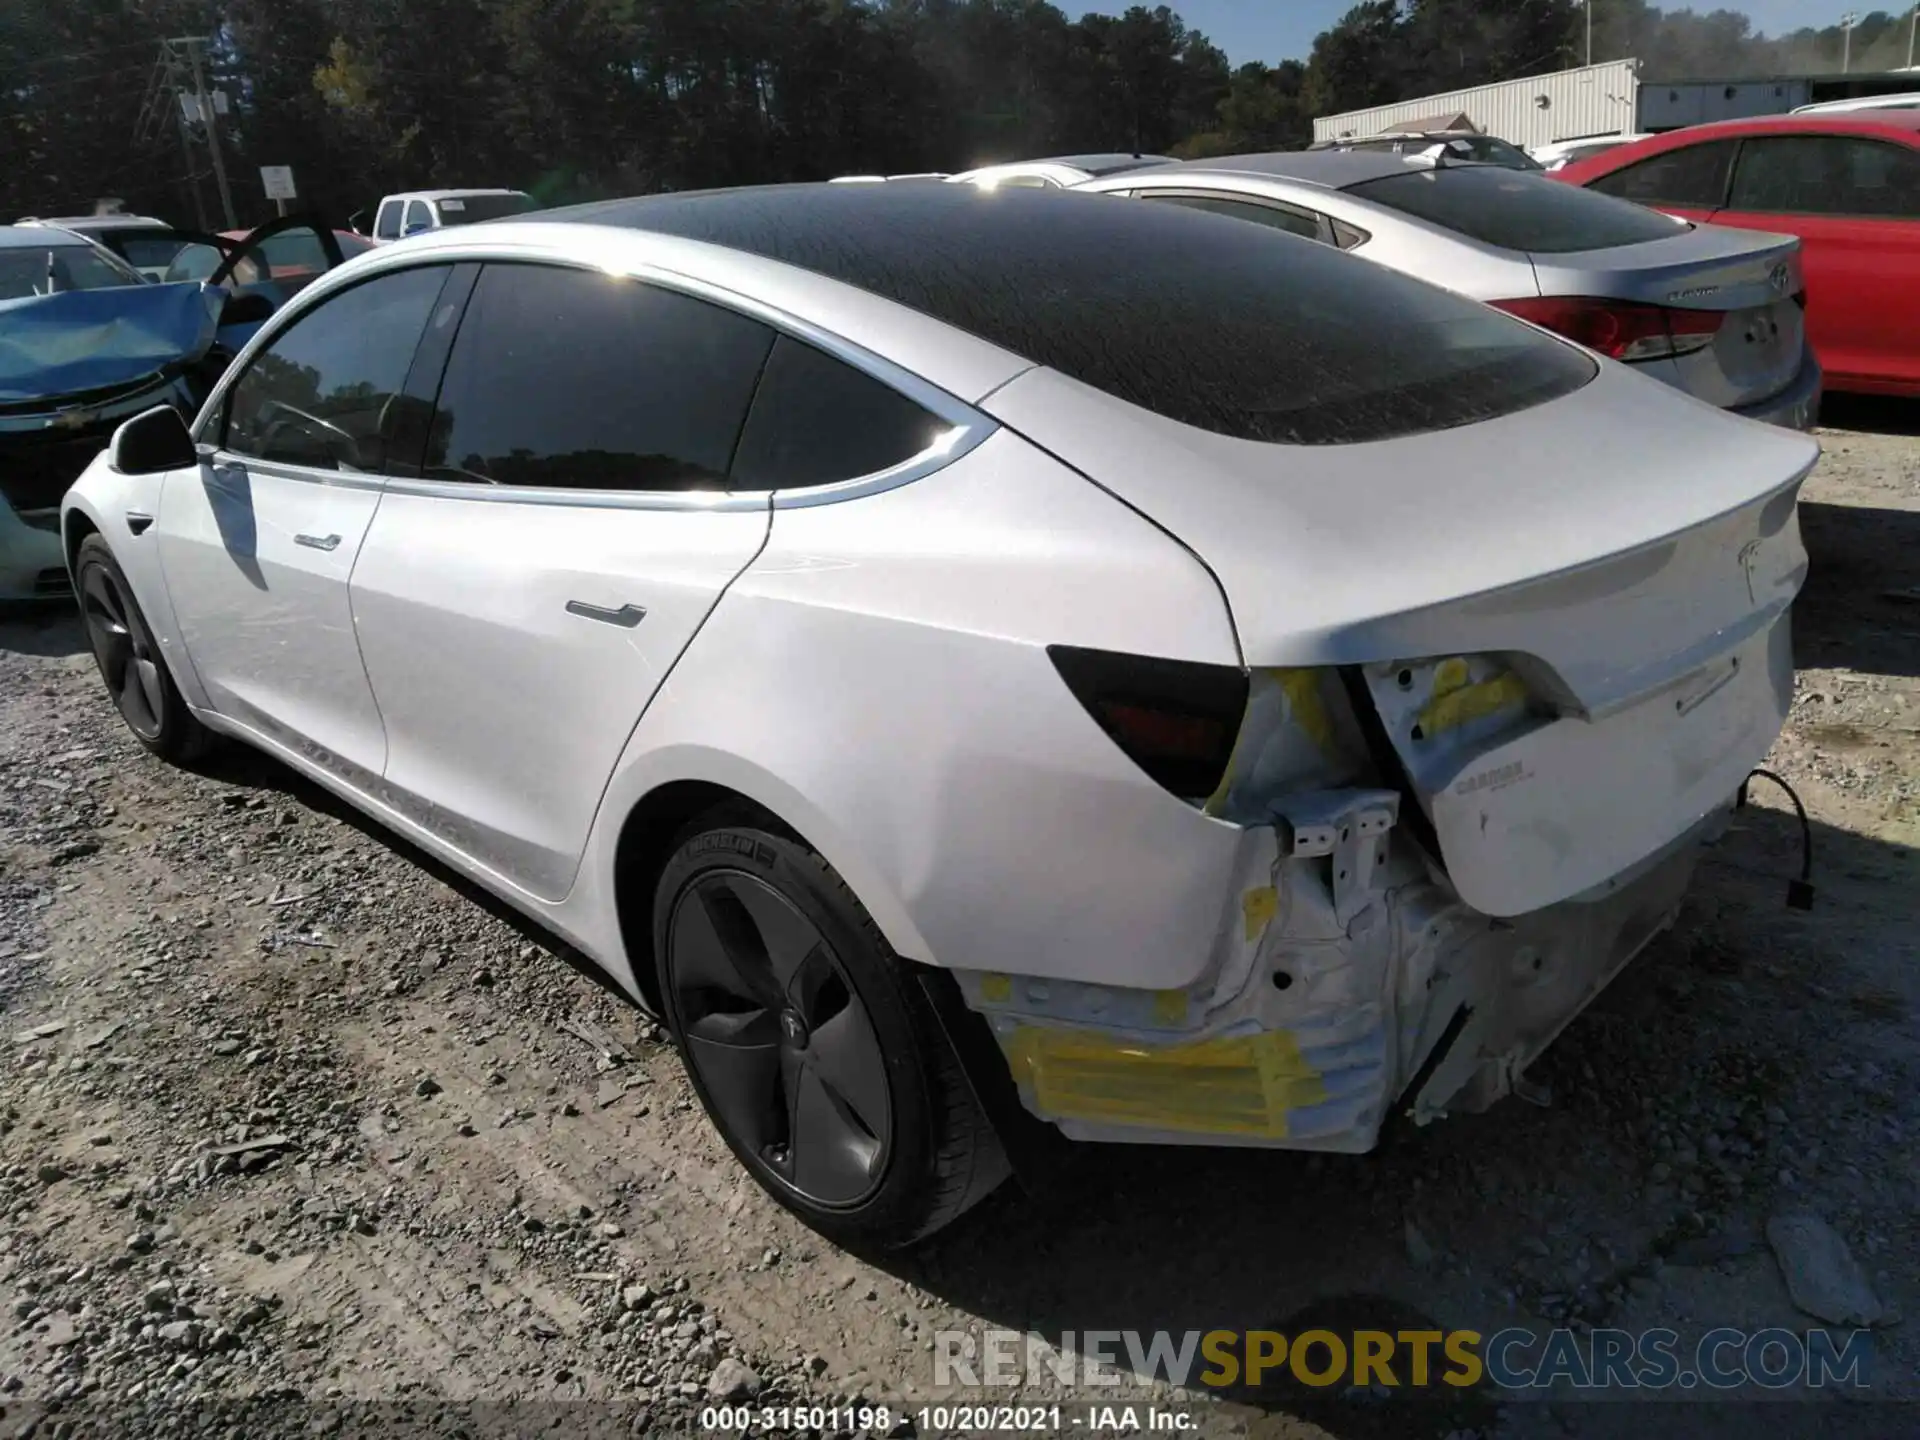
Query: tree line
577,99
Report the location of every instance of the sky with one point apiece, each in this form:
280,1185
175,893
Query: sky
1275,30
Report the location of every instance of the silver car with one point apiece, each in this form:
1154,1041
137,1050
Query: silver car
1717,312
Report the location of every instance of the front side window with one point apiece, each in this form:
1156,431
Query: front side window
1693,177
1516,211
323,393
1281,217
1827,175
387,227
581,380
816,420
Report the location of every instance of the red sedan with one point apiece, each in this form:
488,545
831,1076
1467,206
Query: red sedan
1848,184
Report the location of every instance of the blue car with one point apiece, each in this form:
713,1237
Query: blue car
87,341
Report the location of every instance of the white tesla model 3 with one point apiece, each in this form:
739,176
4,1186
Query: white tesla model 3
963,657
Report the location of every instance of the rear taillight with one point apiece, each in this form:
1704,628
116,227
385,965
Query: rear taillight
1621,329
1175,719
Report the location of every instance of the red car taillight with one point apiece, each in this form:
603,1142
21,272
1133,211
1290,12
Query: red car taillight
1175,719
1621,329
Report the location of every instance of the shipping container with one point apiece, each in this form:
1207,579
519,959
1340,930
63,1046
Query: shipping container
1567,105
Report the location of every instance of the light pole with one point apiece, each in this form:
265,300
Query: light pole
1912,20
1586,7
1847,22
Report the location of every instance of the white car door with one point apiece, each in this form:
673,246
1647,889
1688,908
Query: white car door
519,604
258,542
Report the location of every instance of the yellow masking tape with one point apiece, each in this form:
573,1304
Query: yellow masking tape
1239,1085
1459,706
1305,705
1450,675
1258,907
1170,1006
996,988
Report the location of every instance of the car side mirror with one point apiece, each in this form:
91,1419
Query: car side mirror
245,309
151,442
357,222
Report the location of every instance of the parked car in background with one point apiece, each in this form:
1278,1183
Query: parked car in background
1562,153
1907,100
1846,184
86,340
417,211
1009,649
1055,173
1713,311
147,244
1460,144
297,256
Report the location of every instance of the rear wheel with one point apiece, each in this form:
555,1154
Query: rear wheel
816,1055
130,660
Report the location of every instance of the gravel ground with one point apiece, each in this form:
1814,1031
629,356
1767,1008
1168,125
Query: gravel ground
289,1113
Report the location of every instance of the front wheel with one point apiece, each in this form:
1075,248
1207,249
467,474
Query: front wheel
130,660
815,1054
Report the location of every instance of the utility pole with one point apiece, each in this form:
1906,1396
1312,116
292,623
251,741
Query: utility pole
186,149
166,92
1847,22
1587,7
1913,19
192,44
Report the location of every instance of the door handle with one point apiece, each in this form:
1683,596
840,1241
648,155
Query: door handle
138,522
318,542
626,617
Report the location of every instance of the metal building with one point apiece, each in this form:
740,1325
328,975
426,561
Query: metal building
1568,105
1671,104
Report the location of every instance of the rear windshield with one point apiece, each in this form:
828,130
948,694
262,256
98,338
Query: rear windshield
1210,321
466,209
1517,211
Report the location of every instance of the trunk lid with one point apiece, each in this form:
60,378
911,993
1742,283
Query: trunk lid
1620,553
1750,278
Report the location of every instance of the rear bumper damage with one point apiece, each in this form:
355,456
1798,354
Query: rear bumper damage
1349,975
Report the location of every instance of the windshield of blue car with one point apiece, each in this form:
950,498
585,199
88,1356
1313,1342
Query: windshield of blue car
48,269
1517,211
467,209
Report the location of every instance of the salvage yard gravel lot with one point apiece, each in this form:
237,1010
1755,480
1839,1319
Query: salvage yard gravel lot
288,1112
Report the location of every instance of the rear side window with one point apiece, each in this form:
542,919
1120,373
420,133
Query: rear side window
320,394
1827,175
1516,211
469,209
1281,217
417,215
816,420
581,380
1693,177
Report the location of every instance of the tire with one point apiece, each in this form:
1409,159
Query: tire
130,660
773,979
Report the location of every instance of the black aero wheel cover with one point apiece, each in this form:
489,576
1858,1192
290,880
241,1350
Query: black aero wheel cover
123,648
778,1040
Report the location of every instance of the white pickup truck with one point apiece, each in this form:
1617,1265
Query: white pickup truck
413,211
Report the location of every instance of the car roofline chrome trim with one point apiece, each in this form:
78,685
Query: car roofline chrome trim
967,426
